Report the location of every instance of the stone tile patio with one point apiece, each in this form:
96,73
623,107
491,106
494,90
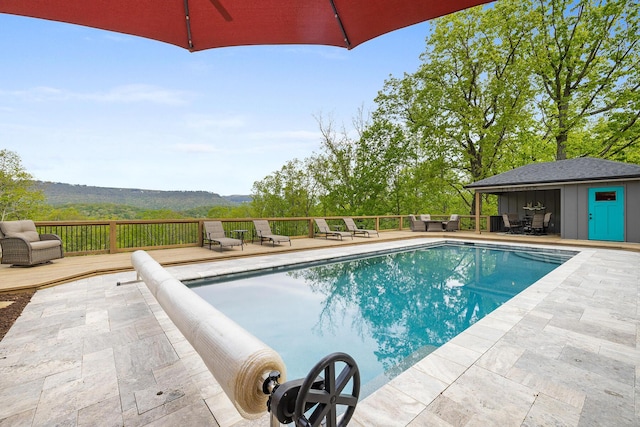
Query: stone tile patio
563,352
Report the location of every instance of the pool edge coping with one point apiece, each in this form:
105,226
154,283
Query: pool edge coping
413,403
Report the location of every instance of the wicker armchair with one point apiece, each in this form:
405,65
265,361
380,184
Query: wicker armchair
417,224
22,245
453,224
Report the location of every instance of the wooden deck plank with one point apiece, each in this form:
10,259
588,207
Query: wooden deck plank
77,267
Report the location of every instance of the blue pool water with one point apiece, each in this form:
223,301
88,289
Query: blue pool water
387,311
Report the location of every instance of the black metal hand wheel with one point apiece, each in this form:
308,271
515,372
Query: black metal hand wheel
324,402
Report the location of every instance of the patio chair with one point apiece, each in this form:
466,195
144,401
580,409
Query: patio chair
214,233
264,233
453,224
323,228
512,227
22,245
353,228
416,224
425,217
545,222
537,223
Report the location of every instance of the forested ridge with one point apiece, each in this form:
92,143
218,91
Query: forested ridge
59,194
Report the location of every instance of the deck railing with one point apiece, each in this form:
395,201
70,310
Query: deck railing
100,237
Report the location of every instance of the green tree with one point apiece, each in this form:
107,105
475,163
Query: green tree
381,170
585,56
160,214
336,178
240,211
64,213
363,171
18,199
466,108
498,87
289,192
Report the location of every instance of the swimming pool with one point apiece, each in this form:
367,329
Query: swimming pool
386,310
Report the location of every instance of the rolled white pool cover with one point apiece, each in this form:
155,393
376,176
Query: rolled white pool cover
238,360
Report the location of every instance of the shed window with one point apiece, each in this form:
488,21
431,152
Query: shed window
605,196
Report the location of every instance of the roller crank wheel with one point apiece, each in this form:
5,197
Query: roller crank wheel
324,402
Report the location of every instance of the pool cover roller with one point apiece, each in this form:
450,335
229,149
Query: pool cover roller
239,361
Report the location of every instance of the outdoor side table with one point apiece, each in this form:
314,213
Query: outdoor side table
433,225
240,234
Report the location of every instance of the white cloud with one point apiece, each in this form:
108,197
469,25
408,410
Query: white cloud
196,148
141,93
38,93
210,122
120,94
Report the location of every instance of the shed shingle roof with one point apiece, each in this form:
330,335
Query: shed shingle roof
561,171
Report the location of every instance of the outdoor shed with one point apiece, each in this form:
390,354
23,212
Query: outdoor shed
588,198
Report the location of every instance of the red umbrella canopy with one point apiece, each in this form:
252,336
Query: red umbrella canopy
205,24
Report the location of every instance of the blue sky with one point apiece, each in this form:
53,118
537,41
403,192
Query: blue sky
92,107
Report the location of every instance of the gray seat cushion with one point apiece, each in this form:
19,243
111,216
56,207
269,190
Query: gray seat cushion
24,229
45,244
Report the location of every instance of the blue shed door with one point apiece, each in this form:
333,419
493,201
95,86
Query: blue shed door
606,213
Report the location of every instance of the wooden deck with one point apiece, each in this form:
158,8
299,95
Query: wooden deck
77,267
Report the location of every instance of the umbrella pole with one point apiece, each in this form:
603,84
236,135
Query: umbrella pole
344,32
188,20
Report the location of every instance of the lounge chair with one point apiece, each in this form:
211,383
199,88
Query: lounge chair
22,245
512,227
416,224
323,228
264,233
353,228
453,224
214,233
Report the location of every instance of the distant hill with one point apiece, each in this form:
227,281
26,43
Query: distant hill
59,194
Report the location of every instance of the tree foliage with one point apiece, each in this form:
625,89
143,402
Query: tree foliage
357,172
466,107
239,211
289,192
18,199
499,87
585,57
59,194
